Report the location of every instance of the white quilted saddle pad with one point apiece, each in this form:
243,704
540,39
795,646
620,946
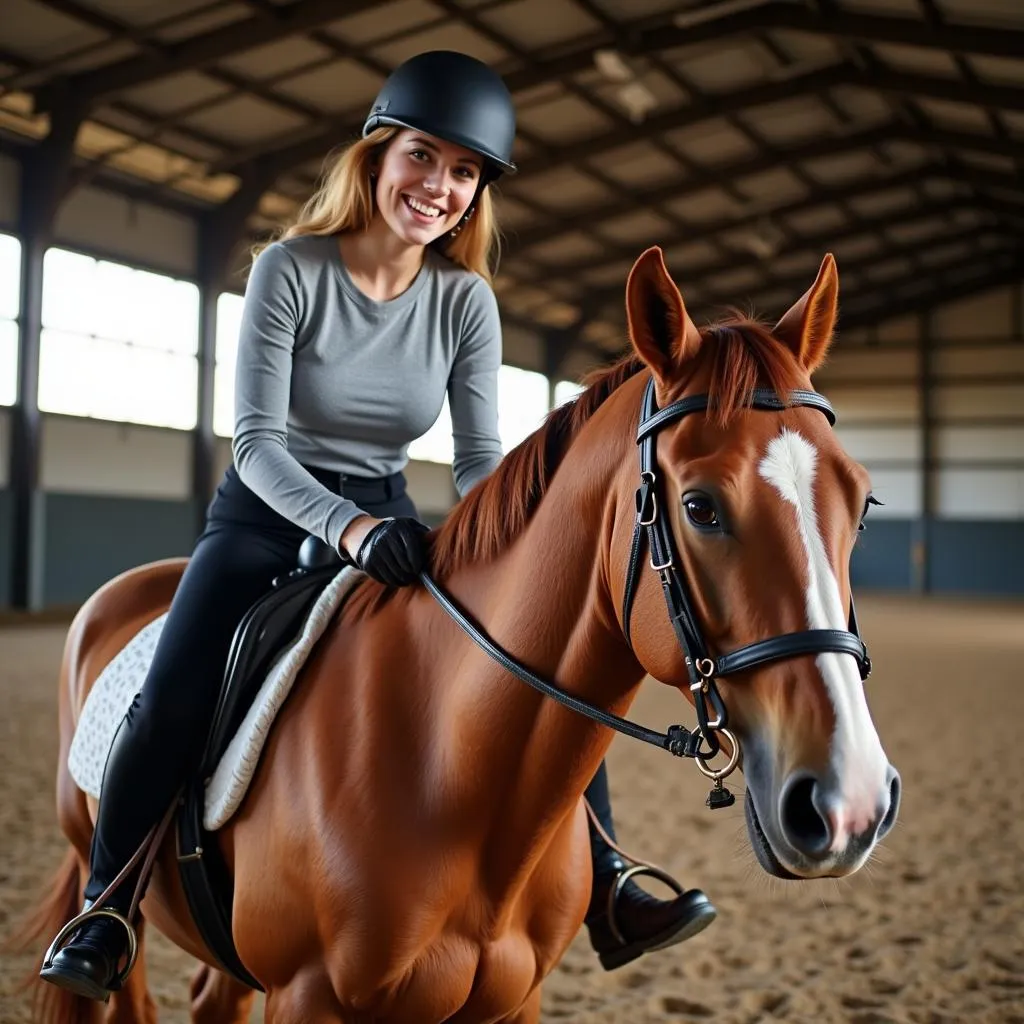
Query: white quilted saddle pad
118,683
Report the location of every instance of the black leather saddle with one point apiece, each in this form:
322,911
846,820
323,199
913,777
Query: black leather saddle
270,625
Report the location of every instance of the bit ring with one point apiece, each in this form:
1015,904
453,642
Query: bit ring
717,774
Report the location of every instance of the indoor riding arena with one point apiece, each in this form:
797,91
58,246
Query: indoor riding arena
147,147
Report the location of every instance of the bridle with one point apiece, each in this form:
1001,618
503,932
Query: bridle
652,527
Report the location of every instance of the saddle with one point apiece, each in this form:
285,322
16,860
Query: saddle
269,626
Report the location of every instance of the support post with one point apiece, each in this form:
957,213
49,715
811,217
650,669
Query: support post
557,345
203,439
220,233
922,540
45,175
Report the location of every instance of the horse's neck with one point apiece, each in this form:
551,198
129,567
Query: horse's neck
545,601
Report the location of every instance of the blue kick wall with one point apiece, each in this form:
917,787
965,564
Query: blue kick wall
90,539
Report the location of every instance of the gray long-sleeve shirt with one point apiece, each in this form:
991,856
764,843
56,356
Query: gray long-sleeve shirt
328,377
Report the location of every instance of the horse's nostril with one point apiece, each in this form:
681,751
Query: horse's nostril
805,827
895,787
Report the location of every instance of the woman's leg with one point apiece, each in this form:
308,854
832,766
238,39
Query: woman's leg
164,732
605,859
166,727
637,923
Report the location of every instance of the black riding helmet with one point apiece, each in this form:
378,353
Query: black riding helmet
454,97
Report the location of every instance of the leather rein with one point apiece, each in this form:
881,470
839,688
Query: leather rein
652,528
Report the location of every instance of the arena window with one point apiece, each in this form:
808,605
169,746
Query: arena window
118,343
566,391
229,322
522,404
10,298
436,444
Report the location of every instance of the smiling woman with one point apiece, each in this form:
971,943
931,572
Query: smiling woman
425,185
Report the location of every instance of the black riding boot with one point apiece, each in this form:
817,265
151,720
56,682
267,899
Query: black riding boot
625,926
131,802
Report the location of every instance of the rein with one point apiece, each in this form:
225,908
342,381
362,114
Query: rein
653,529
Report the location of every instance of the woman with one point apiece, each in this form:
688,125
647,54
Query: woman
373,306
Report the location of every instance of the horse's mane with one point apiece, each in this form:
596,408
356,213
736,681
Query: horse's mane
745,355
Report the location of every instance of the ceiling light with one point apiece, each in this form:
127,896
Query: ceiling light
612,66
638,100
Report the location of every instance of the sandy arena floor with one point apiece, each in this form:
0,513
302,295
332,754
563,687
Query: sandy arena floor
931,932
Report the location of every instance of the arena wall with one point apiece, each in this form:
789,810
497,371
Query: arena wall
113,495
940,426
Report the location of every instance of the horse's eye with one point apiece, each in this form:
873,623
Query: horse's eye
700,512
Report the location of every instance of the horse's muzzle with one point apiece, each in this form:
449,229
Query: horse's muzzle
816,834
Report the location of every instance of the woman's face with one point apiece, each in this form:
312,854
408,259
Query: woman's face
425,185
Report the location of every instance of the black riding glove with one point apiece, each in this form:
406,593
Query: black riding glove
395,551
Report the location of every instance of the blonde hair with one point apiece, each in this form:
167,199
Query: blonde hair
344,201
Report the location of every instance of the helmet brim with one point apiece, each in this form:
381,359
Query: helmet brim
493,165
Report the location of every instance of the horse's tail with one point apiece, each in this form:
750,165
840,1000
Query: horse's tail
53,1005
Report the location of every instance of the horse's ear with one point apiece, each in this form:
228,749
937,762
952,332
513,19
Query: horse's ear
807,327
661,330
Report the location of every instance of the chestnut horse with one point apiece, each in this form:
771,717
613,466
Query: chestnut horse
414,846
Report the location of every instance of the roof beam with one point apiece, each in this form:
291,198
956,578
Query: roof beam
307,143
894,131
1006,268
852,298
713,178
651,35
872,304
94,86
691,28
798,283
877,28
298,147
984,94
295,148
682,30
712,232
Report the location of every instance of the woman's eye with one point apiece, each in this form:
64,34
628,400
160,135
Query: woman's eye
418,154
701,512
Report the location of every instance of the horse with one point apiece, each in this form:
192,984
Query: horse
414,845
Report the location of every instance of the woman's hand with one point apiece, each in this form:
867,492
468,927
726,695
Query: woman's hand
391,551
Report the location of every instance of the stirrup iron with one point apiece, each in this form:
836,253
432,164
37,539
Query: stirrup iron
76,922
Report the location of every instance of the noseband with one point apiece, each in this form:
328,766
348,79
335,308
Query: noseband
652,527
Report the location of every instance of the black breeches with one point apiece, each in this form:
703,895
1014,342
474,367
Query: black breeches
244,546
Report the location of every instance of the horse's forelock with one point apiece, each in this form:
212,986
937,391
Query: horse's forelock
747,355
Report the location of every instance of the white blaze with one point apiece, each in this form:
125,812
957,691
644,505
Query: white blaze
857,757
